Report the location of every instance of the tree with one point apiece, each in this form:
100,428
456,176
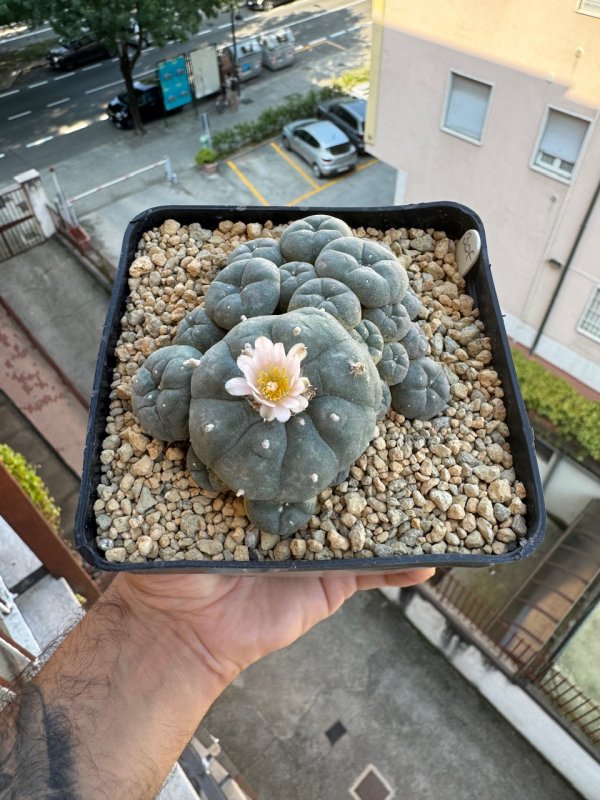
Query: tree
125,26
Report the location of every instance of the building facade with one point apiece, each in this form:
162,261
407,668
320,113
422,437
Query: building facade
495,105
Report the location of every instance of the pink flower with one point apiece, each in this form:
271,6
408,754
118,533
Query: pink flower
272,379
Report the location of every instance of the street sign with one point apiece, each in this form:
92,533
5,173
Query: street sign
174,82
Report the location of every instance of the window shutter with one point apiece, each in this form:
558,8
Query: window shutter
467,106
563,136
593,6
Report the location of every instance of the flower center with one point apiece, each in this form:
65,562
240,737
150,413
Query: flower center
273,383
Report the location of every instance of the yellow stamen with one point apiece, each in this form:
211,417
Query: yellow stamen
273,383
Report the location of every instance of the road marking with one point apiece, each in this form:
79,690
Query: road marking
247,183
2,155
114,60
222,27
40,141
105,86
24,35
316,41
58,102
8,94
62,77
35,85
16,116
292,163
339,33
91,66
332,183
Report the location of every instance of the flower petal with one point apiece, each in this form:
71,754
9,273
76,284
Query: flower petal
282,414
238,387
267,413
298,351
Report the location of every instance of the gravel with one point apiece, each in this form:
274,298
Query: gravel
442,486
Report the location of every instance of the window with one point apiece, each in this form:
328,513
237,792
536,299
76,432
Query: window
591,7
590,321
466,108
560,143
346,117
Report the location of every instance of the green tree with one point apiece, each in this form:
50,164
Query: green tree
124,26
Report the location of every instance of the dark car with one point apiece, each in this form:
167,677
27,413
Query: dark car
149,100
265,5
71,53
348,113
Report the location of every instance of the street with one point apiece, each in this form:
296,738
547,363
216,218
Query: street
53,116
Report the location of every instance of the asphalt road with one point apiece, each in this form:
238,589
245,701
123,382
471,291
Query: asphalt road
56,115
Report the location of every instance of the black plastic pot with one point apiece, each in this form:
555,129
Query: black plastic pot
452,218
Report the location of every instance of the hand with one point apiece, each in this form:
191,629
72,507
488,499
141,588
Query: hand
237,620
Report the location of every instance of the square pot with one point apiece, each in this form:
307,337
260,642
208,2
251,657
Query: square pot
452,218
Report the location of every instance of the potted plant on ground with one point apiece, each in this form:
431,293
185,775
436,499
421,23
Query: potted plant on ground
206,158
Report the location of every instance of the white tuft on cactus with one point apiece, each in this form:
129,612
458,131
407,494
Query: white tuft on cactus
314,477
240,493
266,444
297,330
191,362
208,428
272,379
334,417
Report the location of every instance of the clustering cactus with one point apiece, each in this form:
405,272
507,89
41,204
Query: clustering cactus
261,424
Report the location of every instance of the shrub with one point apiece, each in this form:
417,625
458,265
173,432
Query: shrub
575,417
31,483
206,155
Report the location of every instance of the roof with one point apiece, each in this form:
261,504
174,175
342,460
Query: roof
326,132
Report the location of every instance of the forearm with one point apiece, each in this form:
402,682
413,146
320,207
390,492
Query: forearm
111,711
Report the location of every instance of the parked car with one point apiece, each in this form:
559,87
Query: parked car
347,113
149,100
265,5
323,145
71,53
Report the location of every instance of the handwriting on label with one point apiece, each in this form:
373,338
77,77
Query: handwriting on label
467,251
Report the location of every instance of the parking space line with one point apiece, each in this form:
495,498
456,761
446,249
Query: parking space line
247,183
292,163
331,183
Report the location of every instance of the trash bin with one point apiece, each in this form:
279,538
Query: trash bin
278,49
248,58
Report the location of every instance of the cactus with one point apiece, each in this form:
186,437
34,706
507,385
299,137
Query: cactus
304,239
160,392
386,401
198,330
392,321
330,296
411,303
281,518
247,288
292,461
394,364
424,392
367,332
415,342
268,249
369,269
292,276
201,475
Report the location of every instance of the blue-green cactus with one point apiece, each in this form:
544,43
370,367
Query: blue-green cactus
415,343
386,401
394,364
293,461
412,304
258,248
424,392
293,275
281,518
304,239
367,332
392,321
160,392
247,288
331,296
198,330
201,475
368,268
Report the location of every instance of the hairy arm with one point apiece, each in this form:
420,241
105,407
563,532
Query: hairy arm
113,708
111,711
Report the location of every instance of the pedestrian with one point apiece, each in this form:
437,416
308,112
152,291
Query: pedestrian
114,706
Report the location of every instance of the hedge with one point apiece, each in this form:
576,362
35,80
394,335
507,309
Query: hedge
31,483
575,417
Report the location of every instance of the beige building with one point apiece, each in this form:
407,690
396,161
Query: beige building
494,104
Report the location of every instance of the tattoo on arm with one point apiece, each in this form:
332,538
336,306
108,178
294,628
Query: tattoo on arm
36,750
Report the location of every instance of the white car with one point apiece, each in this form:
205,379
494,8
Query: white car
320,143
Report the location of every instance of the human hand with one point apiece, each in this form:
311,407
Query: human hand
235,621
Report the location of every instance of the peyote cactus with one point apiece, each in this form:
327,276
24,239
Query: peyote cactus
304,239
160,393
246,288
278,380
331,296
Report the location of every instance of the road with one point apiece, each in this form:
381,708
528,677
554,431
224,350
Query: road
57,115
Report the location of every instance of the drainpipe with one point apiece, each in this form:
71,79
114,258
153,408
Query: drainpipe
565,269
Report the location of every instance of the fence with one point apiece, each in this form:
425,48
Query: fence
519,653
19,227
